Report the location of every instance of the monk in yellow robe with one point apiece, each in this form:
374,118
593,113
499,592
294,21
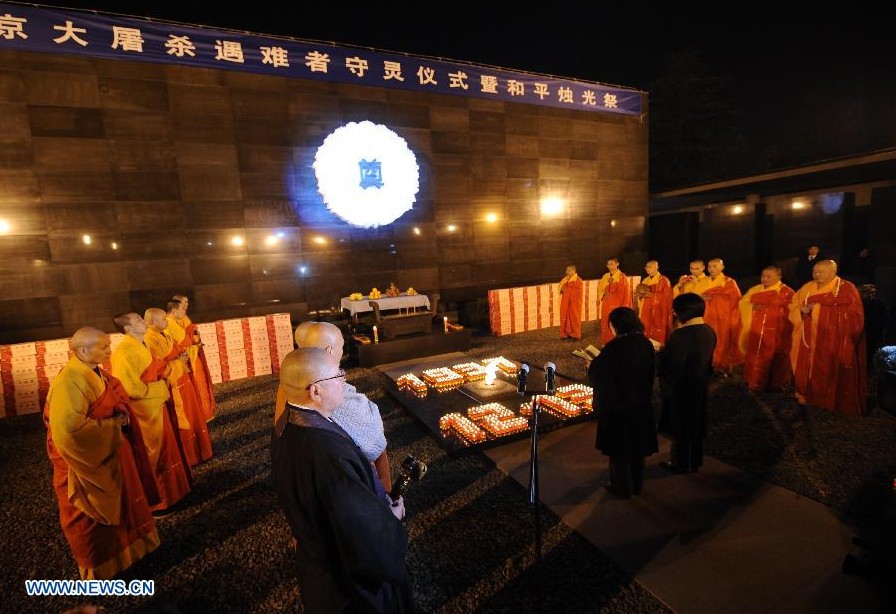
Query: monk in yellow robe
612,292
101,472
143,377
828,352
766,332
655,303
185,333
191,423
572,296
722,295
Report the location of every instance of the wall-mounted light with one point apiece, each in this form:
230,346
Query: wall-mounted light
417,230
271,240
236,240
320,240
798,204
612,223
451,227
552,206
86,239
737,210
491,218
4,227
114,245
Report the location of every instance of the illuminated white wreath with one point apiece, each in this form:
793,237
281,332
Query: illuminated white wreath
366,174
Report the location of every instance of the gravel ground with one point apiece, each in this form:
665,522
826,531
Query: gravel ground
470,526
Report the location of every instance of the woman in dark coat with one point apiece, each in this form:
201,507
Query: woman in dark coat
685,367
622,376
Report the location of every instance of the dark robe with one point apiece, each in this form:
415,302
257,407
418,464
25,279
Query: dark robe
685,368
351,547
622,376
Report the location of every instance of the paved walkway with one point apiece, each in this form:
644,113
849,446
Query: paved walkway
717,541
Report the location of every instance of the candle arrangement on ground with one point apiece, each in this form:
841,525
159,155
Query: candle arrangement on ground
498,427
442,378
559,407
506,366
470,370
580,394
478,412
463,426
413,384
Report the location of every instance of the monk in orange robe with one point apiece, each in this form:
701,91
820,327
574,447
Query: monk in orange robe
191,424
100,468
143,378
655,303
828,353
185,333
572,295
612,292
721,295
766,332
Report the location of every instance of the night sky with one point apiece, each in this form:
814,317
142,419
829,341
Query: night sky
789,89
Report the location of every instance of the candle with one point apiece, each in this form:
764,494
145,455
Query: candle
376,335
445,323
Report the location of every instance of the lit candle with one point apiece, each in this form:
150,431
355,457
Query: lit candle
445,323
376,335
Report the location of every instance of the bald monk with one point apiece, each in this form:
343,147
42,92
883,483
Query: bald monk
722,296
572,295
828,353
612,292
101,472
143,377
766,332
352,545
301,331
191,425
655,303
357,414
185,333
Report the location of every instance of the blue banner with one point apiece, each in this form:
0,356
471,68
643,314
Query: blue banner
29,28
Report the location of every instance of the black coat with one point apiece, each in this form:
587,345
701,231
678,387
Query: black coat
622,376
351,547
684,372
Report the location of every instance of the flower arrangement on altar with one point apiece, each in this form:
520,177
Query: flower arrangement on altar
411,291
375,293
355,296
393,290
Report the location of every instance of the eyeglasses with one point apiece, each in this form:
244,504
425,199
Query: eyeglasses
339,375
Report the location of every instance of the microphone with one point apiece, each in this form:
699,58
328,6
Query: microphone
521,377
549,370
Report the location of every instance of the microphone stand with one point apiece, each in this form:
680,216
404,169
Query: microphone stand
533,487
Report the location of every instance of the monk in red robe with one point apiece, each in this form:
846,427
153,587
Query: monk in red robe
185,333
828,353
572,296
722,296
101,472
655,303
143,377
191,421
612,292
766,332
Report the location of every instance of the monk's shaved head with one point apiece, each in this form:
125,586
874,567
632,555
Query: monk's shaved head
824,271
719,260
85,337
324,335
829,264
155,317
301,331
303,366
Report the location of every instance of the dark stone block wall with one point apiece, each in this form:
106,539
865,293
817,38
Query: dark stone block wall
162,166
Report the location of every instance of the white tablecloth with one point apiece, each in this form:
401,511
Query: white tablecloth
402,301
